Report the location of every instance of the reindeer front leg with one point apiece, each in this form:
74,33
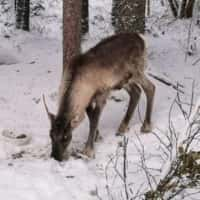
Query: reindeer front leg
94,116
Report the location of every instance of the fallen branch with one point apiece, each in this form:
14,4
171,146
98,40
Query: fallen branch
166,82
198,60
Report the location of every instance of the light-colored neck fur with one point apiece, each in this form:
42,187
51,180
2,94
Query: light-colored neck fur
75,99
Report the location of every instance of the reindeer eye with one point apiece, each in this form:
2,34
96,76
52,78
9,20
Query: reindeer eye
65,137
51,135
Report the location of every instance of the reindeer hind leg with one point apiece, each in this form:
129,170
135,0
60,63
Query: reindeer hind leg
149,90
134,92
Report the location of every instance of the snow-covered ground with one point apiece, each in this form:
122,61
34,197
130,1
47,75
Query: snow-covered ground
31,65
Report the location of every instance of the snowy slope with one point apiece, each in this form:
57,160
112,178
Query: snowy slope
27,171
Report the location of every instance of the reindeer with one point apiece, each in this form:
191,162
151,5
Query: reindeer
117,62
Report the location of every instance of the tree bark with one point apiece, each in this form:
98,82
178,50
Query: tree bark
129,15
173,8
189,8
176,4
186,8
183,8
115,4
148,8
71,30
85,17
22,14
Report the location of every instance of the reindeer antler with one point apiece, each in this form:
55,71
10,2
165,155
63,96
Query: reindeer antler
50,115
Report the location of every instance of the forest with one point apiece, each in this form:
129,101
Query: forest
71,127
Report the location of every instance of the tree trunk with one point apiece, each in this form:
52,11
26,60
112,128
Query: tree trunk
129,15
173,8
189,8
186,8
176,4
85,17
22,14
183,8
71,30
148,8
115,14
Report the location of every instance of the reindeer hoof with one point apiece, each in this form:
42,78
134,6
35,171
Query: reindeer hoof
98,137
89,152
146,128
119,134
122,130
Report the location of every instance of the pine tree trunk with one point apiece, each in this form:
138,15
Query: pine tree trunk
186,8
129,15
71,30
22,14
173,7
115,13
183,8
176,4
189,8
85,17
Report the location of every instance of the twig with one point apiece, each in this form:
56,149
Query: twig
178,102
97,194
143,162
189,37
192,98
170,128
162,80
195,62
161,141
125,141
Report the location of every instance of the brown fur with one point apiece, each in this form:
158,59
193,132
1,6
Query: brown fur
116,62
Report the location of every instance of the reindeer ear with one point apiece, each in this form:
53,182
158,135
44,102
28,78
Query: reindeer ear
50,115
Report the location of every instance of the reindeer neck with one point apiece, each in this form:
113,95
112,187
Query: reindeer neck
76,99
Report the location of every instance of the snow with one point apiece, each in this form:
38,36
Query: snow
6,58
31,65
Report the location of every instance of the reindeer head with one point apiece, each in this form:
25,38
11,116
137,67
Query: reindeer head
60,134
